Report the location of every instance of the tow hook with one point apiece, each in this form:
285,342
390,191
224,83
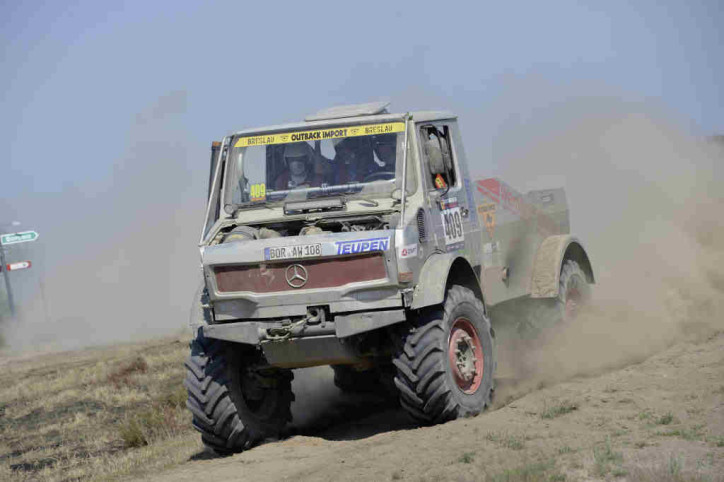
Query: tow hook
314,316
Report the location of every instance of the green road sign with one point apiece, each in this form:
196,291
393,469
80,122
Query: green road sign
14,238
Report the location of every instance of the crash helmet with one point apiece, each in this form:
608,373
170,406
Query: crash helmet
297,151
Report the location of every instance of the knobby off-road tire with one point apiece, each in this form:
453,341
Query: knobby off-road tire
574,292
234,407
543,317
435,383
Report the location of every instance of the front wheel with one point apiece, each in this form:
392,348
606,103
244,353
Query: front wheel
446,360
234,404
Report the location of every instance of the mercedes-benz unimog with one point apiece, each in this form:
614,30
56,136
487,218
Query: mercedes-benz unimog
357,239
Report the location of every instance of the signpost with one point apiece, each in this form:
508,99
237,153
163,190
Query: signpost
14,238
18,265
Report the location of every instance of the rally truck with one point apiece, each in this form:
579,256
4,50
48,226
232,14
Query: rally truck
357,239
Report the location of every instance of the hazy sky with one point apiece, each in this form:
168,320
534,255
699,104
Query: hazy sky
75,74
107,108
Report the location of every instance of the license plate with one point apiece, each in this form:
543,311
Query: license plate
293,252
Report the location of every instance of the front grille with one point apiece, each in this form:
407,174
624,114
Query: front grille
321,273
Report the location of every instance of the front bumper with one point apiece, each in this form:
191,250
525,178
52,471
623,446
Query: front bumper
343,326
307,345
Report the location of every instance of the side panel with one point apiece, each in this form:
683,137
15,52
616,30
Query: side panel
448,211
451,225
515,225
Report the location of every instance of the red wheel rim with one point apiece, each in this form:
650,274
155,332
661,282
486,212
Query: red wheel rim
573,302
465,353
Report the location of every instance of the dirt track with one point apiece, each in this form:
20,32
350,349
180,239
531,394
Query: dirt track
662,419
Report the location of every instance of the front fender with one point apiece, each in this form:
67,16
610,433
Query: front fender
553,251
430,288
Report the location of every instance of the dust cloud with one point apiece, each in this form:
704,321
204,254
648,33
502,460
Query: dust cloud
647,200
315,395
120,250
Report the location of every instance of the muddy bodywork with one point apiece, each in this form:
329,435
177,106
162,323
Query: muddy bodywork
319,280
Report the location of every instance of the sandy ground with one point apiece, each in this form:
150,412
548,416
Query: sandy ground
660,419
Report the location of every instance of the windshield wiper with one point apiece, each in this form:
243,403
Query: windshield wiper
315,192
315,205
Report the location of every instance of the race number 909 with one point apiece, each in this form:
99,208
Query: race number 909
452,222
257,192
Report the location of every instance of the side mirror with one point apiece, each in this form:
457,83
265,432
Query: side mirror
434,156
446,155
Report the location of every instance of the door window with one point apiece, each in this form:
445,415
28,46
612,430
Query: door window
438,156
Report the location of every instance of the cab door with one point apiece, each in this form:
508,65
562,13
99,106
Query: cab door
449,205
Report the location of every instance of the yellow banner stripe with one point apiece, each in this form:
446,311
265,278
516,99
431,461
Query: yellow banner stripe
321,134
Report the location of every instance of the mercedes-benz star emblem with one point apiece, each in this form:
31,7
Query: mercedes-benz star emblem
296,275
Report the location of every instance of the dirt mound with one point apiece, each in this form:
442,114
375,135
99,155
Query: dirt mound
661,419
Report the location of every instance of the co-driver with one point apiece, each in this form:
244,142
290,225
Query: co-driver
298,158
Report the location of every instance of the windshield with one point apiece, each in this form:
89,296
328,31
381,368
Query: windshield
351,161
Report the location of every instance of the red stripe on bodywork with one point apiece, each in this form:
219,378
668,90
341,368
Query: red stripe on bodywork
490,187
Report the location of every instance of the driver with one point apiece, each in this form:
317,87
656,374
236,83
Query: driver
298,158
353,158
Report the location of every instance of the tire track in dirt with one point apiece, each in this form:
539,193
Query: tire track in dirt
645,420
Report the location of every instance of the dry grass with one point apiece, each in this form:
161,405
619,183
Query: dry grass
558,409
606,460
95,414
530,472
671,471
123,375
506,440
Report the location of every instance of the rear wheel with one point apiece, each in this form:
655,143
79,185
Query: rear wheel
542,317
574,292
446,361
234,404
